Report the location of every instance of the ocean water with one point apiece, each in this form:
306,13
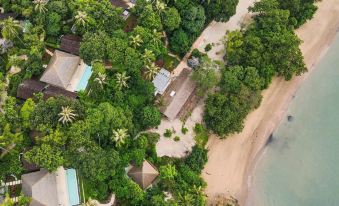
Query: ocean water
300,166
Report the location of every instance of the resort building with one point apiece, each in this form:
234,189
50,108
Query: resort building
67,71
29,87
51,189
70,43
145,175
161,81
178,95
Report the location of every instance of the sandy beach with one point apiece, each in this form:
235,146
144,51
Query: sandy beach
231,161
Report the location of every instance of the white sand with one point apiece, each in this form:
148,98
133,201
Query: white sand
231,160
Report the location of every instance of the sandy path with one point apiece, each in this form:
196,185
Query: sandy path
230,161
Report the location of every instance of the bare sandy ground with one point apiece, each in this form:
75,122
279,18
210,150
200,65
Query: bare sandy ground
231,161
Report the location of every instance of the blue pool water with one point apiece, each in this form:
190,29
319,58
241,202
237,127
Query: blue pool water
72,185
84,79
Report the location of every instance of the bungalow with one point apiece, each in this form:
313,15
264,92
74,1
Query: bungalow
70,44
161,81
178,95
4,16
67,71
51,189
145,175
29,87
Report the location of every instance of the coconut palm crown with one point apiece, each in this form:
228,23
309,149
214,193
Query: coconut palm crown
66,115
119,136
121,79
151,71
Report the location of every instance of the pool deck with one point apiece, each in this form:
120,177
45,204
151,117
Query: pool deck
76,77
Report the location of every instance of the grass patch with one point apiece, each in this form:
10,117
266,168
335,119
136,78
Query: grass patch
201,134
170,63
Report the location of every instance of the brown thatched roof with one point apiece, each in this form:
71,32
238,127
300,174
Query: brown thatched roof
29,87
7,15
144,175
52,91
184,87
70,43
119,3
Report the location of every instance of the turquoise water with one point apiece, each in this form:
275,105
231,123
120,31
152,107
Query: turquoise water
84,79
72,185
300,167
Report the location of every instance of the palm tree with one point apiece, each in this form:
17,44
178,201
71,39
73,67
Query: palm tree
136,41
186,199
90,202
151,71
122,80
101,79
40,5
119,136
9,28
160,6
66,115
81,18
148,56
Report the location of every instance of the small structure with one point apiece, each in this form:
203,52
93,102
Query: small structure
178,94
4,16
29,87
51,189
120,3
70,43
5,45
67,71
161,81
144,175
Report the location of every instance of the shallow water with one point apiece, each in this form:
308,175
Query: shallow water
300,166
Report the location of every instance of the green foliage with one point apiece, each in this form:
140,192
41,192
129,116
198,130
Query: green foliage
46,156
197,159
205,75
151,117
93,47
171,19
150,19
168,133
300,10
201,135
176,138
220,10
52,24
10,164
208,47
184,130
193,19
180,42
26,111
127,190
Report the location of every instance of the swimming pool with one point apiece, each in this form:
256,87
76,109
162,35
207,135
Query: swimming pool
84,79
72,186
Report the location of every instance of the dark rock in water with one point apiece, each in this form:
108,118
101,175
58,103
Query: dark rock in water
270,139
290,118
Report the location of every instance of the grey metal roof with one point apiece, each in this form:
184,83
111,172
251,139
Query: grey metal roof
161,81
60,69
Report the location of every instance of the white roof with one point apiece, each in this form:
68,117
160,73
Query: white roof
161,81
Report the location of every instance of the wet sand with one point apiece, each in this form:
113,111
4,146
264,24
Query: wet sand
231,161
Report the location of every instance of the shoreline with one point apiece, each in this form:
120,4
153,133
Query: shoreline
232,161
